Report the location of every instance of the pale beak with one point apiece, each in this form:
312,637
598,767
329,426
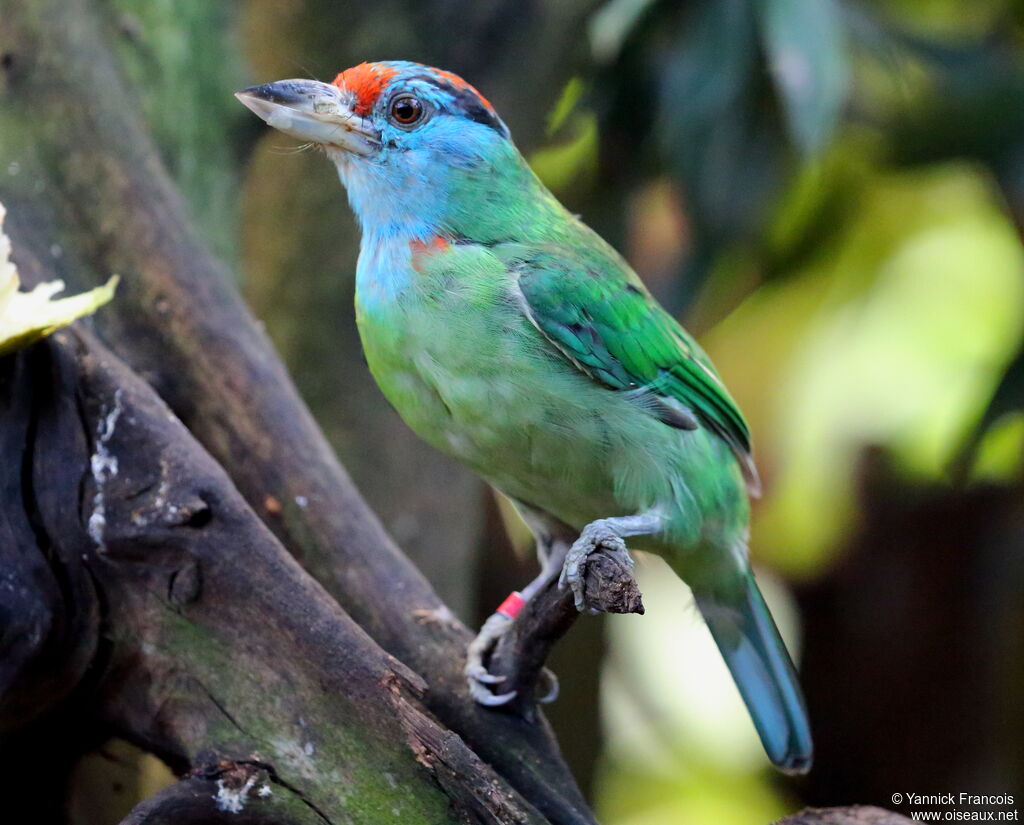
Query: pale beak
311,111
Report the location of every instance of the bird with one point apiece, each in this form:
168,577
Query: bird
511,336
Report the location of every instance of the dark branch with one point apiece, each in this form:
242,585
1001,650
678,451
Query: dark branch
232,793
216,641
179,321
521,653
49,633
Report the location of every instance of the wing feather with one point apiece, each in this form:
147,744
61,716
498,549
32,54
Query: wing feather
598,315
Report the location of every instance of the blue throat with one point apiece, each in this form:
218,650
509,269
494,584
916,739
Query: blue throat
457,184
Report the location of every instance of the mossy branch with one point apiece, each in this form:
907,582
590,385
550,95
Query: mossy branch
110,205
199,635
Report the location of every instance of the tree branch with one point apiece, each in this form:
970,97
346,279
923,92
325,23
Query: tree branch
216,644
232,793
521,653
179,322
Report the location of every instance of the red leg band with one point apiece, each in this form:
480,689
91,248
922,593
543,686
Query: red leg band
512,605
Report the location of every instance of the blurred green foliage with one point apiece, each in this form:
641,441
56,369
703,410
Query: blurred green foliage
847,179
183,54
839,164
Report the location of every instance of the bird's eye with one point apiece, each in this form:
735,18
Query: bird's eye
406,111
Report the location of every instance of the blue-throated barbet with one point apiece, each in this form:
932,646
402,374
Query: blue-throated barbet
510,336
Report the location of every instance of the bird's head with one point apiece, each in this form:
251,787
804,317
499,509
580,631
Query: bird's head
416,147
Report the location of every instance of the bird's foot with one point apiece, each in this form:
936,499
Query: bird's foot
596,536
481,681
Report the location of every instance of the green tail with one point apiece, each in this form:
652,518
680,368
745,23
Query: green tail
760,665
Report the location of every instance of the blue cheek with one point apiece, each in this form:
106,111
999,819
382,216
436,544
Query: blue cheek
407,192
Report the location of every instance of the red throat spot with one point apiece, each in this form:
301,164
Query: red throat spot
366,81
421,249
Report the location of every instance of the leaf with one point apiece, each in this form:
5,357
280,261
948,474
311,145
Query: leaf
1007,398
28,316
807,55
710,126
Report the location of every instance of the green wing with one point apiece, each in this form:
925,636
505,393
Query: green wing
600,316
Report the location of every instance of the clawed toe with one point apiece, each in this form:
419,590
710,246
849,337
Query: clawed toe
594,537
477,677
488,679
553,688
572,574
482,696
477,673
478,680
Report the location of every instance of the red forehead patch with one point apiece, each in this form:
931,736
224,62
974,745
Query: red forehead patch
366,81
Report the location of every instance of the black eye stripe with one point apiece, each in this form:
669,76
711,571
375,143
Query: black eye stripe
465,102
471,106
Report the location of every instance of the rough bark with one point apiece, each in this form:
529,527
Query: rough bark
243,793
201,614
91,180
205,642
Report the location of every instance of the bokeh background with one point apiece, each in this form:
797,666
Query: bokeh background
830,195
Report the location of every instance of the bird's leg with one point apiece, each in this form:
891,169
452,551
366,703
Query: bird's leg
476,672
552,560
552,556
606,534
